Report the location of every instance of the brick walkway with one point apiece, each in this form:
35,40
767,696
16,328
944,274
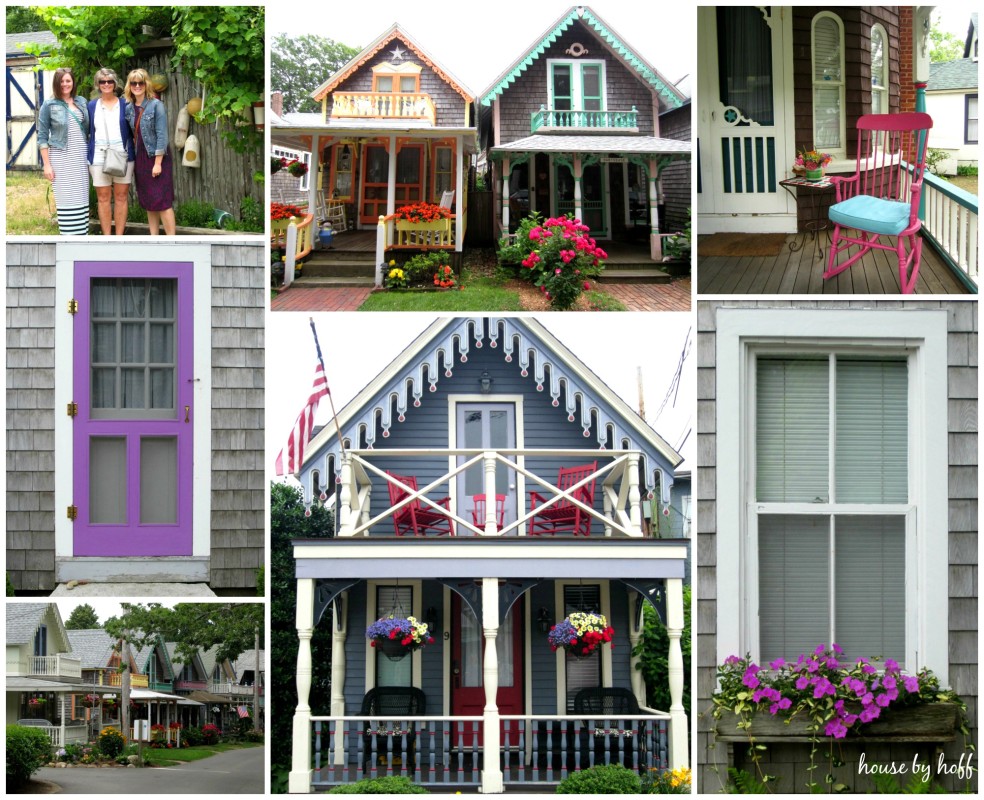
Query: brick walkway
319,299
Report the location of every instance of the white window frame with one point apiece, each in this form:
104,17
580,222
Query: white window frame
577,87
836,152
879,30
743,334
303,156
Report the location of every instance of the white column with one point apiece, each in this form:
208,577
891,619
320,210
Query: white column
459,195
299,781
635,498
679,756
346,519
339,632
492,782
506,170
635,636
655,245
313,178
391,179
578,172
491,522
380,248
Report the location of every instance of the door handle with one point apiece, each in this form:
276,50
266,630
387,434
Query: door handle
187,412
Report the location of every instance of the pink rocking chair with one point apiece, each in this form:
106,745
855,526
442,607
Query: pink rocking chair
882,198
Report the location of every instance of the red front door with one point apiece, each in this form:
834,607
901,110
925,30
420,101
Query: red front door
467,654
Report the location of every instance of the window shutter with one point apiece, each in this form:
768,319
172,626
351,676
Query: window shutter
794,580
872,432
792,431
870,586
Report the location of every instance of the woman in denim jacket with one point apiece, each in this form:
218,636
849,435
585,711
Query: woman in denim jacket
153,173
63,132
108,131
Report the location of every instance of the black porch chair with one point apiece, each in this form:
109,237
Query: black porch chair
391,701
606,705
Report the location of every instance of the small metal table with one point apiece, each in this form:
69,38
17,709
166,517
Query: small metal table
814,226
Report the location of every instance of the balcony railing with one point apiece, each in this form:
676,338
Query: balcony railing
116,679
950,225
229,687
534,750
383,105
60,665
617,477
552,119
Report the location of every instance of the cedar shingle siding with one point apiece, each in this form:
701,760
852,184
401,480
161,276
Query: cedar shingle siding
524,97
238,490
789,762
675,178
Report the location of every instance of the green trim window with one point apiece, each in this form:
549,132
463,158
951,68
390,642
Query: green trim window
577,85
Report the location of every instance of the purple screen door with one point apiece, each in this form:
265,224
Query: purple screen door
133,372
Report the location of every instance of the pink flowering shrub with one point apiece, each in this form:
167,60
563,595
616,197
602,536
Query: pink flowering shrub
558,255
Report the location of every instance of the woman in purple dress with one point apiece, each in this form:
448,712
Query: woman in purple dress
153,172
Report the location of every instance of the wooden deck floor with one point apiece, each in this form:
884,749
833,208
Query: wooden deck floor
801,273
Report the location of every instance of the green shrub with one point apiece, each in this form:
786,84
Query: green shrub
254,736
602,779
251,215
10,587
192,737
111,742
136,213
195,214
392,785
28,749
966,169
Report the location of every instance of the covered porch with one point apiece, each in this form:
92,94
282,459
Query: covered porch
521,729
54,708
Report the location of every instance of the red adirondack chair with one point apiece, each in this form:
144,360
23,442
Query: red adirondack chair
478,511
565,516
882,198
416,517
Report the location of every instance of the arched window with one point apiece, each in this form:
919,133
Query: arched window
879,70
828,83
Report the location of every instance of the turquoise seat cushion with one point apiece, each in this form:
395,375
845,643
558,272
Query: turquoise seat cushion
889,217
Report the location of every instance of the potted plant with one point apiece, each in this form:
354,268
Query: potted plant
811,162
90,700
581,633
297,168
35,702
397,637
277,164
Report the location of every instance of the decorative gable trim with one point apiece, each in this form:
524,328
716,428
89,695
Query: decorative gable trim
394,34
406,382
615,43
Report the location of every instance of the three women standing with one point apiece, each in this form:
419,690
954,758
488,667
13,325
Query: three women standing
63,133
153,174
108,130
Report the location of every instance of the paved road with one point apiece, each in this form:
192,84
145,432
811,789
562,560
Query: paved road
235,772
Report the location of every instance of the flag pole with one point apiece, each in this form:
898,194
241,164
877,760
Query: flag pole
331,400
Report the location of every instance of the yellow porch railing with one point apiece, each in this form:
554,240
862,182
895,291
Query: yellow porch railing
383,105
305,234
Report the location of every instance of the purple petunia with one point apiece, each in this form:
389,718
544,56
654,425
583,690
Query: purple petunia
911,684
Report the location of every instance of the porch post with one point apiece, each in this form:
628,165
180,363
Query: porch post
679,756
380,250
635,636
490,521
655,246
635,498
61,713
346,519
459,189
492,771
299,781
391,178
578,172
313,179
339,632
506,170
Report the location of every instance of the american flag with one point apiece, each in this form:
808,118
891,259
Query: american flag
292,456
242,711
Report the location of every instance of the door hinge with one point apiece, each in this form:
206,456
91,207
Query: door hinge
73,512
73,306
73,409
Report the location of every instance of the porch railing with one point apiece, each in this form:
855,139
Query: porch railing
581,120
535,750
619,488
57,665
296,238
950,225
229,687
392,233
69,734
115,679
383,105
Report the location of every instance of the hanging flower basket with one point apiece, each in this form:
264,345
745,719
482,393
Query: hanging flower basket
109,703
277,164
397,637
90,701
35,702
581,633
297,168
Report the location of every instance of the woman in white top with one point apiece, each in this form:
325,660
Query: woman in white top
108,130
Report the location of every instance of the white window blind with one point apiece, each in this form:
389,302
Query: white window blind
879,77
828,83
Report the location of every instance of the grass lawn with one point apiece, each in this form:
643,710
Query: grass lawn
481,293
159,757
30,207
966,182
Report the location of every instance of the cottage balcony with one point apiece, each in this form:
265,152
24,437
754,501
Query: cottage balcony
56,666
612,483
535,752
116,679
548,120
383,105
230,687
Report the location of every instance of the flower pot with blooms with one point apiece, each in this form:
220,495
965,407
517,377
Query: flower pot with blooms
277,164
89,701
398,636
812,162
560,257
444,277
297,168
35,702
581,633
282,211
422,212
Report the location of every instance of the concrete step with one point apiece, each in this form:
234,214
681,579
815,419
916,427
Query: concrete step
341,268
639,274
337,282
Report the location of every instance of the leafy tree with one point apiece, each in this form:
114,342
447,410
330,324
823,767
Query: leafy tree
21,19
652,651
287,521
83,618
944,46
299,64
